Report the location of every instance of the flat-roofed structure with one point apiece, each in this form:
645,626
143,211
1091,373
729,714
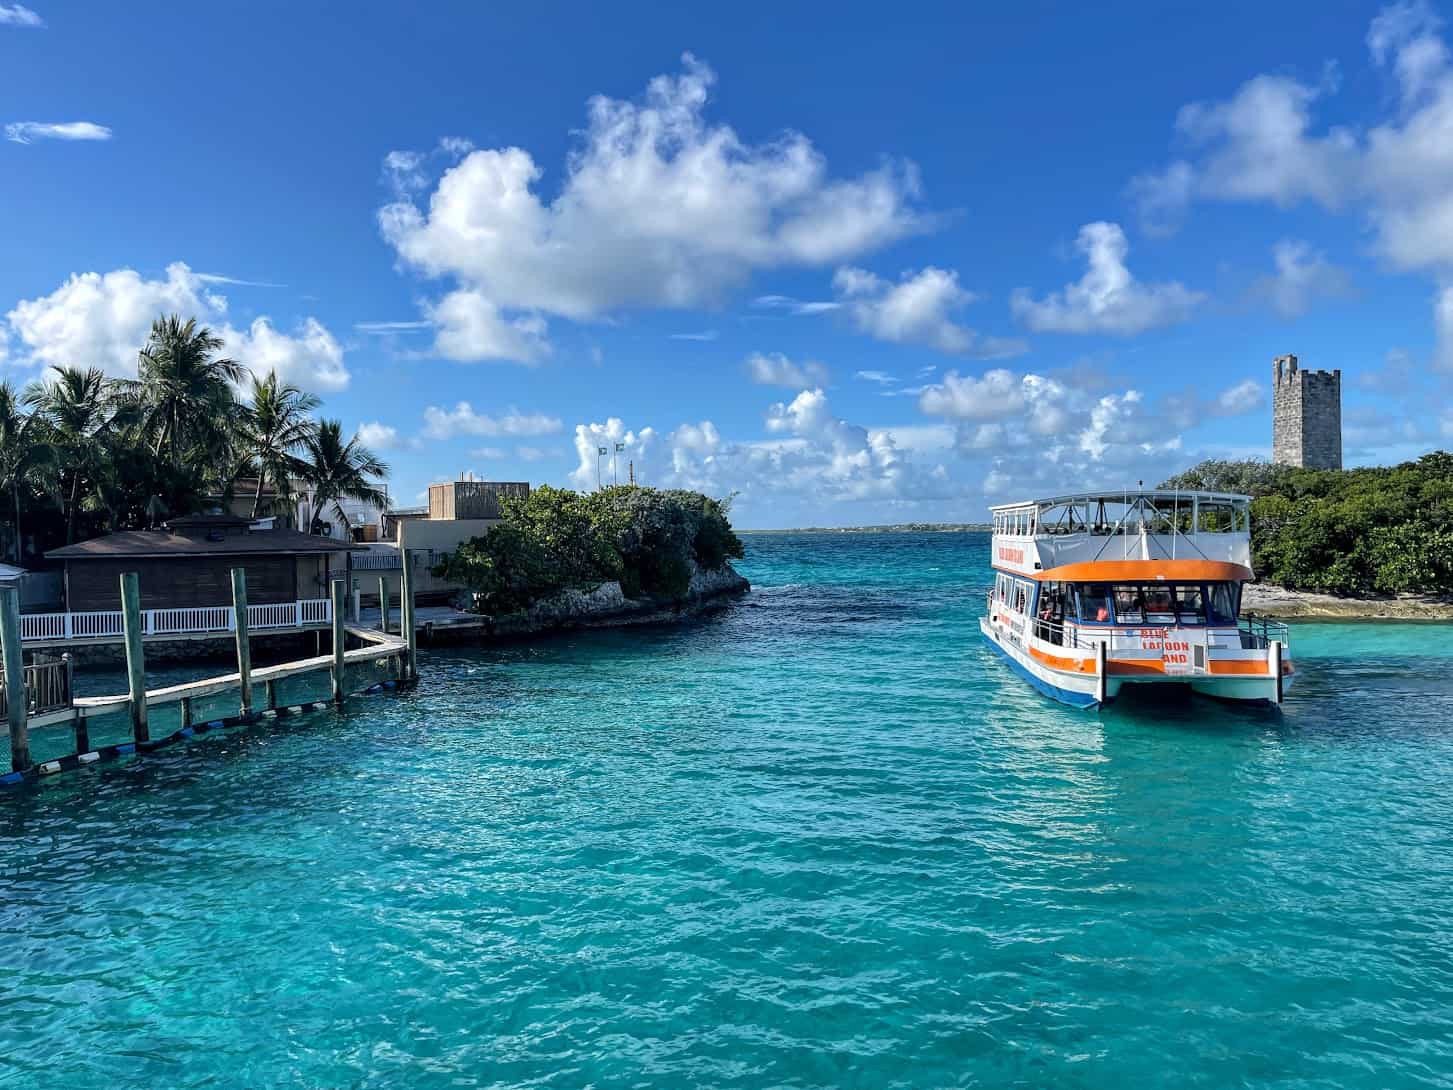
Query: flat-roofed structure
472,499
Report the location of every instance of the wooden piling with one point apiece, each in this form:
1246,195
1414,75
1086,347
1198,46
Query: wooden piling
338,590
244,645
17,706
410,630
383,603
1273,663
271,689
186,706
135,663
82,728
1102,678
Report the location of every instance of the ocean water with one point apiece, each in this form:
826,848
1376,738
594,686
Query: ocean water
823,838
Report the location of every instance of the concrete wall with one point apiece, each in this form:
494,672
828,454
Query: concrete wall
441,535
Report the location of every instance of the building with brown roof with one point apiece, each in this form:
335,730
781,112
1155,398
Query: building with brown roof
188,564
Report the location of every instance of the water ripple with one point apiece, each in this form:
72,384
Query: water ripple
819,839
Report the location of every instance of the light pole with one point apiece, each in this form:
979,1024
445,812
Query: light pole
600,452
615,476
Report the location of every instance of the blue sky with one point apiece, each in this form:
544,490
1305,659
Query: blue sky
853,270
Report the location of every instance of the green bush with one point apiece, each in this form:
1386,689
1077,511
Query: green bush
555,539
1386,529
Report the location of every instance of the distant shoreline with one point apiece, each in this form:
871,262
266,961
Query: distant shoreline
896,528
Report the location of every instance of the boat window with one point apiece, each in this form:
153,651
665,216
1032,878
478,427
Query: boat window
1223,603
1159,607
1216,517
1129,605
1190,605
1094,603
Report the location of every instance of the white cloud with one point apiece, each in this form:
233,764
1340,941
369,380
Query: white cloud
102,320
882,378
489,452
1107,299
19,15
811,455
1261,144
793,306
1302,276
775,369
470,328
28,132
916,310
218,278
463,420
1244,397
998,393
310,357
531,454
704,335
1443,325
1038,432
658,207
380,436
383,329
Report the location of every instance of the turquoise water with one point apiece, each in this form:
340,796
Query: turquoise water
821,839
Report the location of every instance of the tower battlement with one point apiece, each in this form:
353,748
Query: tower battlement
1306,420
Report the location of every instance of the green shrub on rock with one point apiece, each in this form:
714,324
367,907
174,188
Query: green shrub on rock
556,539
1374,530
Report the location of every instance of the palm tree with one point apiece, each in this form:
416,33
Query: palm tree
23,454
340,471
272,429
182,393
78,414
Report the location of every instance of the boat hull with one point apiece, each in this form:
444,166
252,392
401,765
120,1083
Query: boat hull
1080,689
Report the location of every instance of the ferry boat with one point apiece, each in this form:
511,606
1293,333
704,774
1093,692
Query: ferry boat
1099,590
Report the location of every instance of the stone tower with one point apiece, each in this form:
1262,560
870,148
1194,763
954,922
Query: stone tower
1306,416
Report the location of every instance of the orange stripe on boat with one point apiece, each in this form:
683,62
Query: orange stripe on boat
1060,662
1218,667
1143,571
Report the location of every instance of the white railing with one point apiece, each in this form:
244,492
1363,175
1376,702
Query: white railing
46,627
315,611
378,560
276,615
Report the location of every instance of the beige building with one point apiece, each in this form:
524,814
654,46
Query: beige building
457,511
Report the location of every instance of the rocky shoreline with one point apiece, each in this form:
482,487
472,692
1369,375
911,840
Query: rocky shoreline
1269,601
607,607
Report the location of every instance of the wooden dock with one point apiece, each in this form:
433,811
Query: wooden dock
48,700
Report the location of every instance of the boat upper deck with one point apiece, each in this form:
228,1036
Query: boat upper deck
1037,536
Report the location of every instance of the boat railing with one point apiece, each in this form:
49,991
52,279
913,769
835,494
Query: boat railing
1253,633
1257,633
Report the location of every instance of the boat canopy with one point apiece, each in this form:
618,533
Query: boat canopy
1158,511
1156,524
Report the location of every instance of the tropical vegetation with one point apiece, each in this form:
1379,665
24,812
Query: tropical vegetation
1377,530
83,453
554,539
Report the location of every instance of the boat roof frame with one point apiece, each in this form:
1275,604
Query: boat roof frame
1123,496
